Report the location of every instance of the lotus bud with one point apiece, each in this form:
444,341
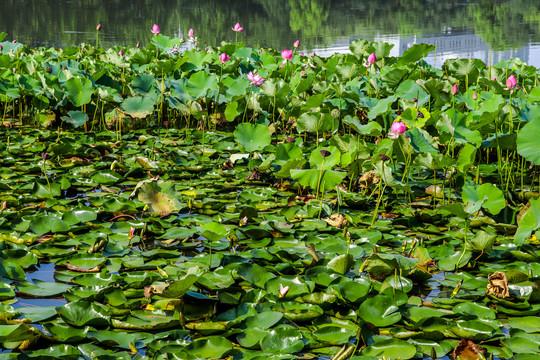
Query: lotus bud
224,58
1,48
474,96
98,27
455,89
237,28
131,232
138,44
155,30
296,44
191,33
511,82
121,53
283,290
372,58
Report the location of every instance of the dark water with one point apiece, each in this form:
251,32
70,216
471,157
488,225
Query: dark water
485,29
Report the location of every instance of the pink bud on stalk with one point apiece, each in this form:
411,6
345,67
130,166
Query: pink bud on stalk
138,44
155,30
190,33
131,232
398,128
372,58
511,82
1,48
286,54
237,28
224,58
121,53
98,27
296,44
454,90
474,96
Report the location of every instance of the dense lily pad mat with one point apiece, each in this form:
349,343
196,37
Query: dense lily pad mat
359,206
248,269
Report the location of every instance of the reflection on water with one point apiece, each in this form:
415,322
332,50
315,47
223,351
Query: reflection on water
460,29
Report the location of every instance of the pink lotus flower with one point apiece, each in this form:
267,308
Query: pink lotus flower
474,96
1,48
255,79
121,53
190,33
286,54
155,30
98,27
237,28
296,44
398,128
454,90
224,58
372,58
511,82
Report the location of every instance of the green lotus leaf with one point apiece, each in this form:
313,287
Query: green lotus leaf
200,83
313,178
282,340
252,137
341,264
297,286
381,107
117,339
65,333
138,107
488,195
313,122
6,291
62,352
528,324
527,142
316,159
415,53
255,274
84,313
211,347
144,84
178,288
251,337
480,311
380,310
264,320
523,343
80,215
84,261
390,348
18,257
398,282
42,288
475,330
79,91
107,177
42,224
160,197
334,335
76,118
295,311
37,314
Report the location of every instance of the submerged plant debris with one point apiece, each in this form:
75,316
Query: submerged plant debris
190,213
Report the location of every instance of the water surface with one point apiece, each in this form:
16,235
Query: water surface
490,30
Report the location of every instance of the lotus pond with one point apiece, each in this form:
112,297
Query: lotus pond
249,203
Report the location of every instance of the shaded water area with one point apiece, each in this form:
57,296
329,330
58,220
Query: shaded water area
490,30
